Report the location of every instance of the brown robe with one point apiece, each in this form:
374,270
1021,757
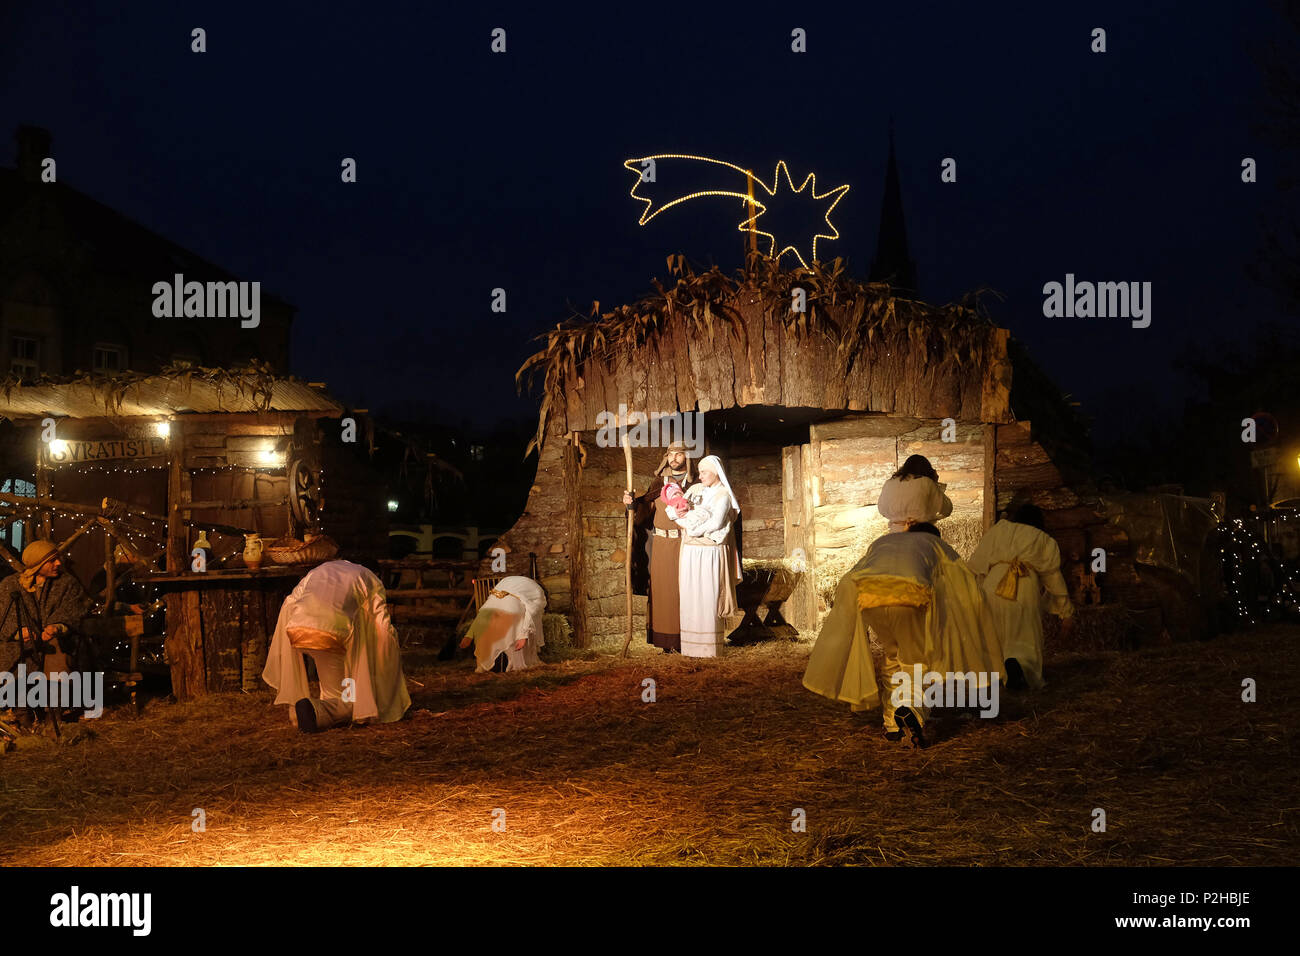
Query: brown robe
663,608
61,601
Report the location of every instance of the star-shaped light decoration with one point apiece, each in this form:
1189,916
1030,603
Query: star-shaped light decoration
749,223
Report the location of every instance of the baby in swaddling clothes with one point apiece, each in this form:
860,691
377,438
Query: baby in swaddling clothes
672,496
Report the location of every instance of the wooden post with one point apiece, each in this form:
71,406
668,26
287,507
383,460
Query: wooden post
627,552
177,538
800,608
990,470
110,576
576,546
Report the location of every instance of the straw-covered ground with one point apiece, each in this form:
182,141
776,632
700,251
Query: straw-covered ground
581,770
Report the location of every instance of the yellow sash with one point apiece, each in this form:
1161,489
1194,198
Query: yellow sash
887,590
1010,583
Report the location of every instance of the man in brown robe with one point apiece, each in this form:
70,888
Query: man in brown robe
663,626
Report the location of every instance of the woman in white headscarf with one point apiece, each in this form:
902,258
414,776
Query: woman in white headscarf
914,495
709,568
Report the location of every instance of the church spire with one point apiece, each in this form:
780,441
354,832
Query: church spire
893,264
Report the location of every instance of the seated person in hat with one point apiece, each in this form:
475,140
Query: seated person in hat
337,615
41,609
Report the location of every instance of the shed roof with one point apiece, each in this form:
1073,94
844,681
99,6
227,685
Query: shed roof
714,341
175,390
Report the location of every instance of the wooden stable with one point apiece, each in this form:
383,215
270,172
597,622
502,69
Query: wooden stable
161,460
810,412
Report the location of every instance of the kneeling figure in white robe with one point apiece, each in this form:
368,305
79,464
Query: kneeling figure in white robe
338,614
509,623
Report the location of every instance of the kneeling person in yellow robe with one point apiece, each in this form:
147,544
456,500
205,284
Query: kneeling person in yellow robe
925,607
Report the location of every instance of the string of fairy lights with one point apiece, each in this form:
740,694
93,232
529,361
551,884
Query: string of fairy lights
150,539
1259,585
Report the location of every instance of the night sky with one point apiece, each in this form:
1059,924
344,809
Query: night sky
478,171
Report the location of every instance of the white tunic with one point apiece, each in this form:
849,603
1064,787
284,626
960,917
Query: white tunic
708,570
1040,587
516,613
347,601
905,501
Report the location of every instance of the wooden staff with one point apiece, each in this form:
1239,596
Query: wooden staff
627,560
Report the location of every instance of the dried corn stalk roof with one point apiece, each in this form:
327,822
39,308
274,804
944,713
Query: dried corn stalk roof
713,340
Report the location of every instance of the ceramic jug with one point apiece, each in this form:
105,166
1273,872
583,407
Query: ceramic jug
252,551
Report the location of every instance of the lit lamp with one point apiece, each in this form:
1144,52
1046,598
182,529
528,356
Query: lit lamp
162,429
270,456
58,447
392,504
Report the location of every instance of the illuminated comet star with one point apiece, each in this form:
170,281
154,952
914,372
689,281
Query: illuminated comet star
636,166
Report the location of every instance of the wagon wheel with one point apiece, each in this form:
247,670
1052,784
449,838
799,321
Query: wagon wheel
304,494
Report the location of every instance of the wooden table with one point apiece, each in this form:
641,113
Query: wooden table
220,623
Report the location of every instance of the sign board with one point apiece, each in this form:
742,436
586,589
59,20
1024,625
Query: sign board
1263,457
74,452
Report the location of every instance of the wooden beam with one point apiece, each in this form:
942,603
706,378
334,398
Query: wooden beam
12,558
414,594
240,504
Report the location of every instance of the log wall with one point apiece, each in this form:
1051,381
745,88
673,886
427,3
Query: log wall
755,479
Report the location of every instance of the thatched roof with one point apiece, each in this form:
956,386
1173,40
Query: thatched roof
174,390
712,340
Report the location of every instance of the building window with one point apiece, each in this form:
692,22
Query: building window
108,358
24,356
12,533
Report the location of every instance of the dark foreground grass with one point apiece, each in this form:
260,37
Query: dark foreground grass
583,771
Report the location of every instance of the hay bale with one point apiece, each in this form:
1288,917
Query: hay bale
1097,627
962,533
556,630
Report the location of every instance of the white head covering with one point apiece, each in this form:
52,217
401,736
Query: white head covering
711,463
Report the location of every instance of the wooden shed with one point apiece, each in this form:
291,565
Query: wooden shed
809,408
149,461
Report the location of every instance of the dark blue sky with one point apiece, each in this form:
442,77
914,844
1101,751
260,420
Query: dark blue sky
479,170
